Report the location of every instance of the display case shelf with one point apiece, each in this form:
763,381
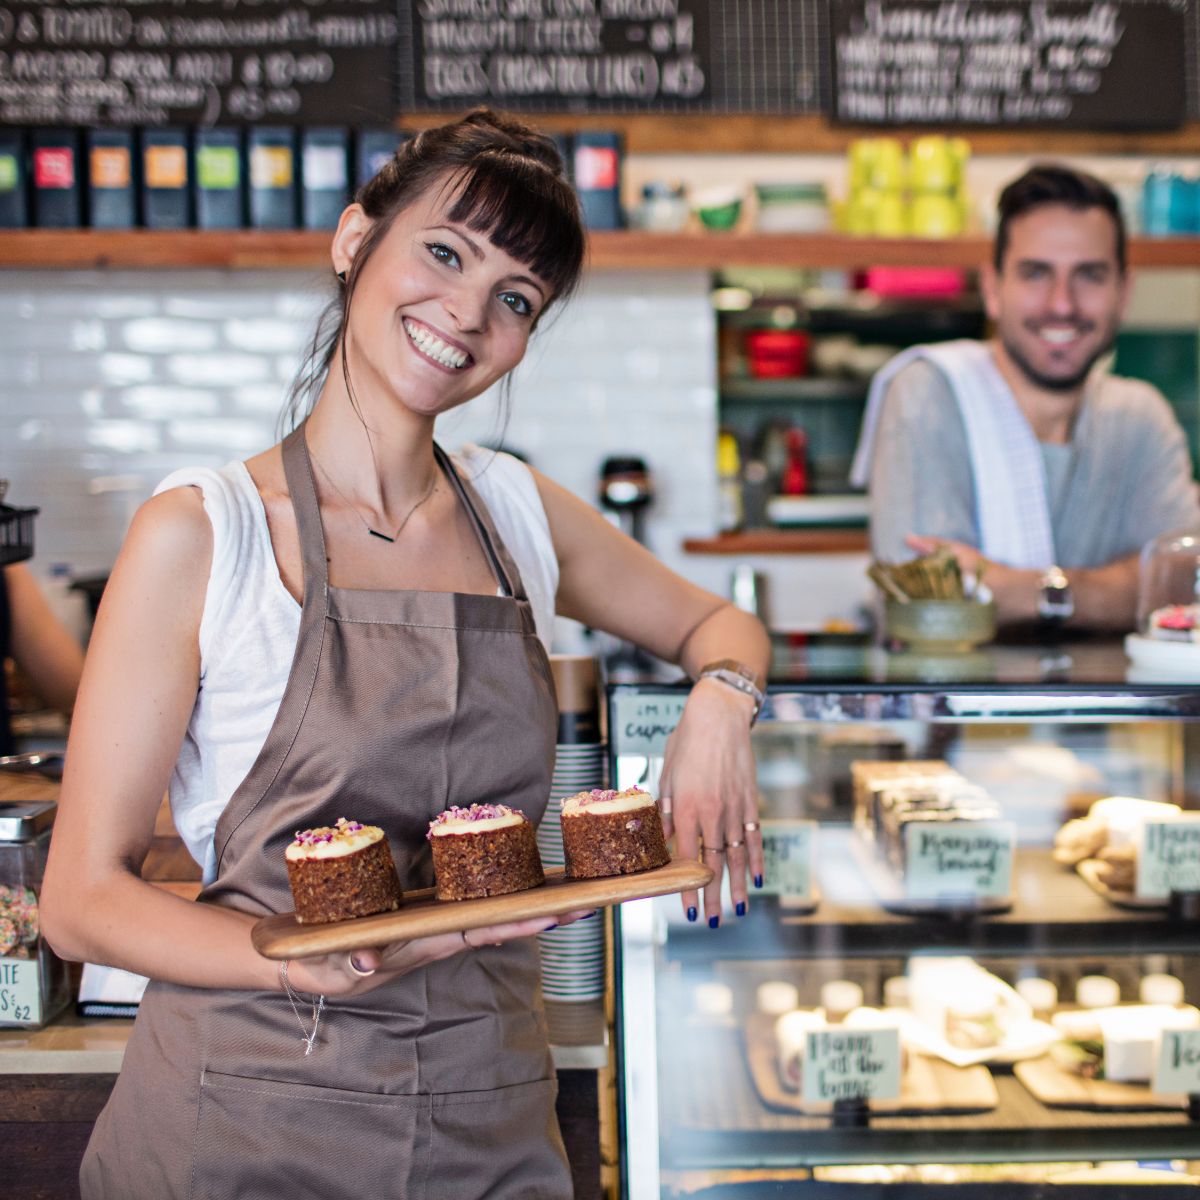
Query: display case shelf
630,250
728,1126
1053,909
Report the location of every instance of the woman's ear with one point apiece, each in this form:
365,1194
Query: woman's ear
351,229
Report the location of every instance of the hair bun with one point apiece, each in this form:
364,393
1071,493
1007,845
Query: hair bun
516,136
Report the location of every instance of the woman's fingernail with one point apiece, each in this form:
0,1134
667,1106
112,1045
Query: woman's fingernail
713,922
758,881
550,927
691,914
589,916
741,908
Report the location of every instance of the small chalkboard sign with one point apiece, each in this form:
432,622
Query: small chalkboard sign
1075,64
196,62
1168,857
852,1064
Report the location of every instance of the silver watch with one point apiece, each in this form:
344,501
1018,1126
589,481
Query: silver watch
1055,602
736,675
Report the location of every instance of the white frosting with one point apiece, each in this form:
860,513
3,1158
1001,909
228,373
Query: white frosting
629,800
338,846
459,825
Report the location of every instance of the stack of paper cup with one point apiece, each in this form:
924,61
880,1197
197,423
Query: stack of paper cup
573,956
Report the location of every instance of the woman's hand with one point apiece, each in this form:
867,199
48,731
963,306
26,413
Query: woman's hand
708,794
361,971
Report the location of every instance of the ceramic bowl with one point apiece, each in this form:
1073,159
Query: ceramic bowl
940,626
718,208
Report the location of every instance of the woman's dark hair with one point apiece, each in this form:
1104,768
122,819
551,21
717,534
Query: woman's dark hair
509,185
1052,183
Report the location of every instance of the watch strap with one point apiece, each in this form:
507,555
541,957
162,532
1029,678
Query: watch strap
736,675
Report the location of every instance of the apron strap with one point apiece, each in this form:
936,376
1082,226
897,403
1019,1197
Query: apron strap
503,566
297,467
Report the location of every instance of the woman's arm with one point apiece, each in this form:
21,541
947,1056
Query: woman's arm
138,691
43,648
708,790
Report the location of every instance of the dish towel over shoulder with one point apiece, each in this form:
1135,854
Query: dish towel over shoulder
1006,460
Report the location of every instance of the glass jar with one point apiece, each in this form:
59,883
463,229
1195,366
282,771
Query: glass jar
34,982
1169,588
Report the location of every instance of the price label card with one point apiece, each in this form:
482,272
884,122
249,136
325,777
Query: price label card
1178,1066
788,848
1169,857
851,1064
20,991
958,861
642,724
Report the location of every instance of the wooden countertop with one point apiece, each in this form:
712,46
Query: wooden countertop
72,1045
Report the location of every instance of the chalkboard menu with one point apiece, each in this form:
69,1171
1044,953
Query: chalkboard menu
612,55
196,62
1067,63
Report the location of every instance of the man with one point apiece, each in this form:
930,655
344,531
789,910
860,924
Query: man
1022,450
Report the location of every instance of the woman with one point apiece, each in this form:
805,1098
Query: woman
407,592
41,645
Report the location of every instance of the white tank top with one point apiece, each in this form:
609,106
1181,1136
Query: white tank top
251,621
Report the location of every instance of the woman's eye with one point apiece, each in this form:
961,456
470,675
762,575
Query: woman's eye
443,253
517,303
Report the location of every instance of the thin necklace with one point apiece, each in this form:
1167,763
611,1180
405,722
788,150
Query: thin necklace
366,525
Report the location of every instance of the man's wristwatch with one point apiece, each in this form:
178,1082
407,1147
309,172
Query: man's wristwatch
736,675
1055,602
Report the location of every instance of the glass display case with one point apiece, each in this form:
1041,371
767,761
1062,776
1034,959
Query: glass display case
976,956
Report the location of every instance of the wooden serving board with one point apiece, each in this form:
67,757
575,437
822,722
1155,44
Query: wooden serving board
1089,871
421,914
928,1085
1056,1087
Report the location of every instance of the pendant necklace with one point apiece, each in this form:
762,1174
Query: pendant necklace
353,508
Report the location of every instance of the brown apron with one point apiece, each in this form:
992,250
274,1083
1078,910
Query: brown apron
439,1085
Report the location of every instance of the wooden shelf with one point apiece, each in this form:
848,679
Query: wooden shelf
782,133
782,541
610,250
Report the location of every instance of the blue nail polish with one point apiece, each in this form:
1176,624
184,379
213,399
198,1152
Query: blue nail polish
758,881
549,927
741,908
713,922
691,914
589,916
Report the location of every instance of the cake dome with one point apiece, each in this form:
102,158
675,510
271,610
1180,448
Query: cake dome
1167,641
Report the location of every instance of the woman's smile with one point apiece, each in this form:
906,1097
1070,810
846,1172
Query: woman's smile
439,349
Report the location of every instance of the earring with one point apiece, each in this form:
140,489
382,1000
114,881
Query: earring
341,276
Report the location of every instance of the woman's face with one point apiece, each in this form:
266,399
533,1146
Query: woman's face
439,314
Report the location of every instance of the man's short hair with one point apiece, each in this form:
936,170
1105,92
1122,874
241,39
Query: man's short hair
1052,183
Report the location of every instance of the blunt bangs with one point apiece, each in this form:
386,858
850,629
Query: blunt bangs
525,211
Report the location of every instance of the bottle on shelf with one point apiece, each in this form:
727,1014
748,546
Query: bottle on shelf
730,515
795,475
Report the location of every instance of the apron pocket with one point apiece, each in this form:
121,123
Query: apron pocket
259,1138
501,1144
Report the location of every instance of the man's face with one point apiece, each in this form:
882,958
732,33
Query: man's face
1059,295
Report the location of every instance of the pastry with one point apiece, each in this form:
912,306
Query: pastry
612,833
341,871
483,850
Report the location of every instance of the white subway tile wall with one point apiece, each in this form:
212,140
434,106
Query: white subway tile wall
112,379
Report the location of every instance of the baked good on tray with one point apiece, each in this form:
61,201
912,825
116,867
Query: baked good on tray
341,871
612,833
483,850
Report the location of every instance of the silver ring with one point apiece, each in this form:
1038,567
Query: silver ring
664,804
712,849
735,844
464,938
355,969
751,826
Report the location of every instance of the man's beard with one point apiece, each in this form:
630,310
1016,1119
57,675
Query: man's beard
1057,383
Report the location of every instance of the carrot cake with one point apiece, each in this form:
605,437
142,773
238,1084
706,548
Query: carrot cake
341,871
484,850
612,833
